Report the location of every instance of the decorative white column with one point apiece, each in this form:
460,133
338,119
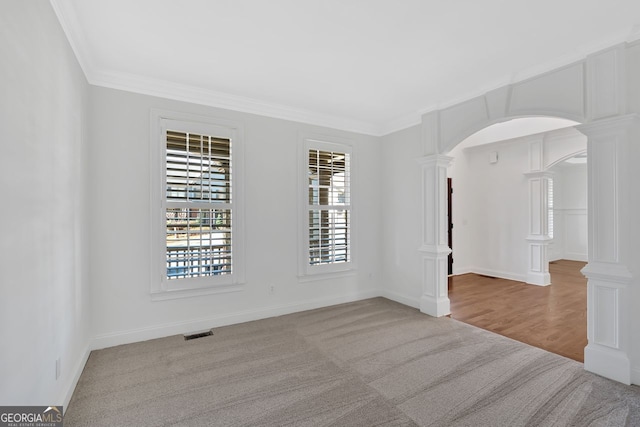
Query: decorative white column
538,235
612,222
434,249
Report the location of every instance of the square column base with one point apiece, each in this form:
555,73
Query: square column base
607,362
436,307
540,279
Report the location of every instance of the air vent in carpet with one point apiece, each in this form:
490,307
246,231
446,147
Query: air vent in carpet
197,335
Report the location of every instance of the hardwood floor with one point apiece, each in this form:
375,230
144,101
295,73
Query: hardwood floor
552,317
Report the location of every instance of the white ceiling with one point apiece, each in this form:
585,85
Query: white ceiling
371,66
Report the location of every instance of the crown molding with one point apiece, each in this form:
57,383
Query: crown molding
631,36
198,95
580,54
166,89
401,123
68,19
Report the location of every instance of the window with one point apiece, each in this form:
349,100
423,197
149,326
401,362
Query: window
197,231
550,208
198,205
327,203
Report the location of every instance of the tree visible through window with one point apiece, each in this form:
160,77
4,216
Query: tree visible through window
329,207
198,202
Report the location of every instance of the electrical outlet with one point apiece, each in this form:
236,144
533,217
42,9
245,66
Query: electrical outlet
57,368
272,289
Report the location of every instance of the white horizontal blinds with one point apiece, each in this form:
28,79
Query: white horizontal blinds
198,168
329,207
550,208
198,205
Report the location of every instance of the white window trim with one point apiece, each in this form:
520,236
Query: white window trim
307,272
161,288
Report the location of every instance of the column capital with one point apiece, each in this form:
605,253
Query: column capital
539,174
616,273
435,250
611,125
539,238
435,160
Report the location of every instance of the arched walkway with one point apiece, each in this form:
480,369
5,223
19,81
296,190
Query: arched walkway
501,207
583,92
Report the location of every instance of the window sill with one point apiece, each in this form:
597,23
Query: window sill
188,293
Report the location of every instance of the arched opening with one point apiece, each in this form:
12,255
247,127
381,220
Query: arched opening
568,217
515,128
491,173
577,92
491,209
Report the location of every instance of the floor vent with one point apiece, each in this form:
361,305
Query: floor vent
198,335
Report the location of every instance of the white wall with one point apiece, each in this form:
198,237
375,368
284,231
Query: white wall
44,292
490,208
119,162
402,276
570,212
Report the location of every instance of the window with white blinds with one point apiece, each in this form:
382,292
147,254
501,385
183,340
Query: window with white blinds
329,206
198,205
550,208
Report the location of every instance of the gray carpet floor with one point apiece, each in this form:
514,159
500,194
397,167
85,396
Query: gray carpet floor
368,363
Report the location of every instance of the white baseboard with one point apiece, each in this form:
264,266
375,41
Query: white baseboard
635,376
501,274
71,386
187,326
538,279
402,299
576,257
